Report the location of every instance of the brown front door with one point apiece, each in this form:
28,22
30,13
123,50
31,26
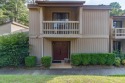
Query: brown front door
60,50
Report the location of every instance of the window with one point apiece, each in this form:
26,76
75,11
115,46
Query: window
117,24
60,16
116,46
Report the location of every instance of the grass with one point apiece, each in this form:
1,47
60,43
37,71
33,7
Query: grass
25,78
61,79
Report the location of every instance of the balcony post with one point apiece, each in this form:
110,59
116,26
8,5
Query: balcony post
115,32
41,29
41,20
80,19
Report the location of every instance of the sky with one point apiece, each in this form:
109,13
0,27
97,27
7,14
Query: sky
97,2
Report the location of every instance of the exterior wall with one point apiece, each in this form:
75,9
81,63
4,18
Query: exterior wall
47,47
81,45
96,22
34,22
35,48
93,45
15,28
5,29
95,32
73,16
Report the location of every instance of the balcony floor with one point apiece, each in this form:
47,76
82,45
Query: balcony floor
61,35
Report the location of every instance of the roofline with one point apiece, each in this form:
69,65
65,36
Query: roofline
18,24
102,7
57,3
15,23
118,17
93,7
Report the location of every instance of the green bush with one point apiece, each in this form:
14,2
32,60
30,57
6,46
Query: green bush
117,61
110,59
123,61
76,59
102,59
85,59
30,61
46,61
93,58
13,49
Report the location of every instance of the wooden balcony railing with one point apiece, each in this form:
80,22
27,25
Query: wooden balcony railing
119,33
61,27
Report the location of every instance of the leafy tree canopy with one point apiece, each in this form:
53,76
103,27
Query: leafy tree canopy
13,10
116,9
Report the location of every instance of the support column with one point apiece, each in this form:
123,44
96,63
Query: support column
41,21
41,29
42,46
80,19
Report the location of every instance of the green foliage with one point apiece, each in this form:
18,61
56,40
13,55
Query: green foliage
13,49
76,59
117,61
93,58
123,61
14,10
116,9
119,54
110,59
46,61
30,61
102,59
85,59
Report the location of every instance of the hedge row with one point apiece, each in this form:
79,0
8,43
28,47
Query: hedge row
13,49
93,59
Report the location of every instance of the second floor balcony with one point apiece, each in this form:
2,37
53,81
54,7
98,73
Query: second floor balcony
61,29
119,33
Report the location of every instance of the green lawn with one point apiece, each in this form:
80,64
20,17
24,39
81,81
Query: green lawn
60,79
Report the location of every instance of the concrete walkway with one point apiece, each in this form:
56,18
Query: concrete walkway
91,70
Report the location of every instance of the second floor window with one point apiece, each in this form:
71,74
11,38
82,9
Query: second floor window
60,16
117,24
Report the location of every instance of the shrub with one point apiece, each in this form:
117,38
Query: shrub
110,59
46,61
117,61
76,59
13,49
94,59
30,61
85,59
102,59
123,61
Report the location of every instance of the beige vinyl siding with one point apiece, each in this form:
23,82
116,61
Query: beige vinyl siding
5,29
36,48
81,45
96,22
16,28
73,13
90,45
47,47
34,22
